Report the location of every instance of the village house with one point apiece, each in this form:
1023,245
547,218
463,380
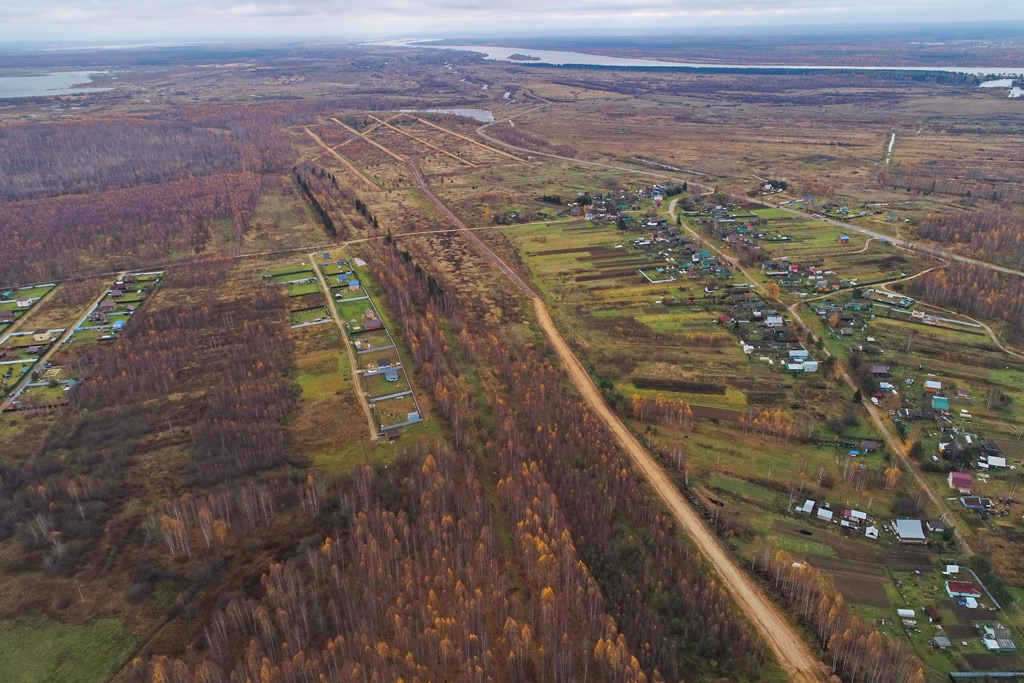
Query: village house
909,531
41,336
975,503
961,481
962,589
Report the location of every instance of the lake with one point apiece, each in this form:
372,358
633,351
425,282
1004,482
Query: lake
48,84
562,58
482,115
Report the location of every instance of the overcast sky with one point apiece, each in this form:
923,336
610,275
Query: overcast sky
146,20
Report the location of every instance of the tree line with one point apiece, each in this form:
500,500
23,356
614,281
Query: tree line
975,290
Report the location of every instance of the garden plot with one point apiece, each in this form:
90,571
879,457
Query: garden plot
106,320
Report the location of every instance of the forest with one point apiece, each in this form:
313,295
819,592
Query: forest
992,234
60,237
977,290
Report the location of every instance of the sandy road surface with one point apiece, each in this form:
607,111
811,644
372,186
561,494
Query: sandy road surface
789,648
352,360
785,642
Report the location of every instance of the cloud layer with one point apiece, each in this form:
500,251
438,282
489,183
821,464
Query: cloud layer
103,20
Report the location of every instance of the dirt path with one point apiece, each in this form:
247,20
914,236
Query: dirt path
939,253
469,139
63,337
785,642
359,174
789,648
352,360
878,417
366,139
421,141
991,333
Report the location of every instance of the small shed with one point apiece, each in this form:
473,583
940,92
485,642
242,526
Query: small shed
825,515
932,386
940,403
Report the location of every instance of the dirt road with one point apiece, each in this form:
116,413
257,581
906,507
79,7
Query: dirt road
345,162
785,642
991,333
352,360
789,648
421,141
939,253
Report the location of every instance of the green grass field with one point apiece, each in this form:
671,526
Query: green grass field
300,288
377,385
38,651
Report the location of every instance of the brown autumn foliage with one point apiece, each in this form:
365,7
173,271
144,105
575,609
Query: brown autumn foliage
929,178
681,617
150,390
976,290
855,649
515,136
54,238
992,234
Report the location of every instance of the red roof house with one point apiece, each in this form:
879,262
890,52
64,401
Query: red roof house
962,481
962,589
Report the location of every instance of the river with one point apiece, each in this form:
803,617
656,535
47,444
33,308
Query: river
561,58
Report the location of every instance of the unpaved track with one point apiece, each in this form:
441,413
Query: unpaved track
786,643
366,139
900,242
469,139
359,174
421,141
352,360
